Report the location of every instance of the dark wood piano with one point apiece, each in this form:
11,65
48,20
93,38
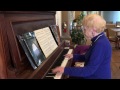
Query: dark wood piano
13,61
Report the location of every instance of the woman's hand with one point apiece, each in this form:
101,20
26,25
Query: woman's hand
58,70
69,56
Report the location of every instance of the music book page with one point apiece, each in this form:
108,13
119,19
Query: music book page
46,40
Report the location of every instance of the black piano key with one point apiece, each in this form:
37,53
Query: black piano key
49,78
50,74
60,59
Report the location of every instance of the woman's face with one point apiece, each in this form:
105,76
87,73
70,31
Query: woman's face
88,33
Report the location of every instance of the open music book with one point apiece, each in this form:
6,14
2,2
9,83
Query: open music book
46,40
32,49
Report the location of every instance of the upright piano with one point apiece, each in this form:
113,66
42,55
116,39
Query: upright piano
13,61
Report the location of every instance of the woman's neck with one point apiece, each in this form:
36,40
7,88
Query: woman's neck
95,34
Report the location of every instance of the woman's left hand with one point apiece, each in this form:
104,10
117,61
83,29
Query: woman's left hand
58,70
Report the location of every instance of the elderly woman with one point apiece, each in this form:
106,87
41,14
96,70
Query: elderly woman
98,57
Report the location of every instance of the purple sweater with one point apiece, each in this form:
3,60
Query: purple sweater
97,60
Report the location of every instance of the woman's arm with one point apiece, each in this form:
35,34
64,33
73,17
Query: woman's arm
97,57
78,57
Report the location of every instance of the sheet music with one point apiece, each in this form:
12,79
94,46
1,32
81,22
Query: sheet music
46,40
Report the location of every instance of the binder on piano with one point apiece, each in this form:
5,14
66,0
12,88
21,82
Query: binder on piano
55,32
32,49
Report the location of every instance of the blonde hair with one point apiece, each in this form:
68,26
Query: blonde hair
94,21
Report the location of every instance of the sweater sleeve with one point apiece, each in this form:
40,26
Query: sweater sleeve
78,57
97,56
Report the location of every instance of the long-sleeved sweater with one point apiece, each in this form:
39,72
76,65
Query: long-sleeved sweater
97,60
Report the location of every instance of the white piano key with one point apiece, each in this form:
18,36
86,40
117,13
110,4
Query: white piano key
70,51
66,47
64,63
58,76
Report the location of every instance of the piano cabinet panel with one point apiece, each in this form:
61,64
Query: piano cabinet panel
3,49
13,62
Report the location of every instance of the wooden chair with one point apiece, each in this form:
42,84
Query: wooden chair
118,34
112,36
118,24
109,22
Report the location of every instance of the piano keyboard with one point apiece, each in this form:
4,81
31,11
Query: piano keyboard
61,61
64,62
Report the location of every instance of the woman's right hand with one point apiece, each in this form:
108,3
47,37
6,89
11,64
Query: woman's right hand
69,56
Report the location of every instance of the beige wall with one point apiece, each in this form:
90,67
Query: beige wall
64,19
64,16
77,13
58,20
